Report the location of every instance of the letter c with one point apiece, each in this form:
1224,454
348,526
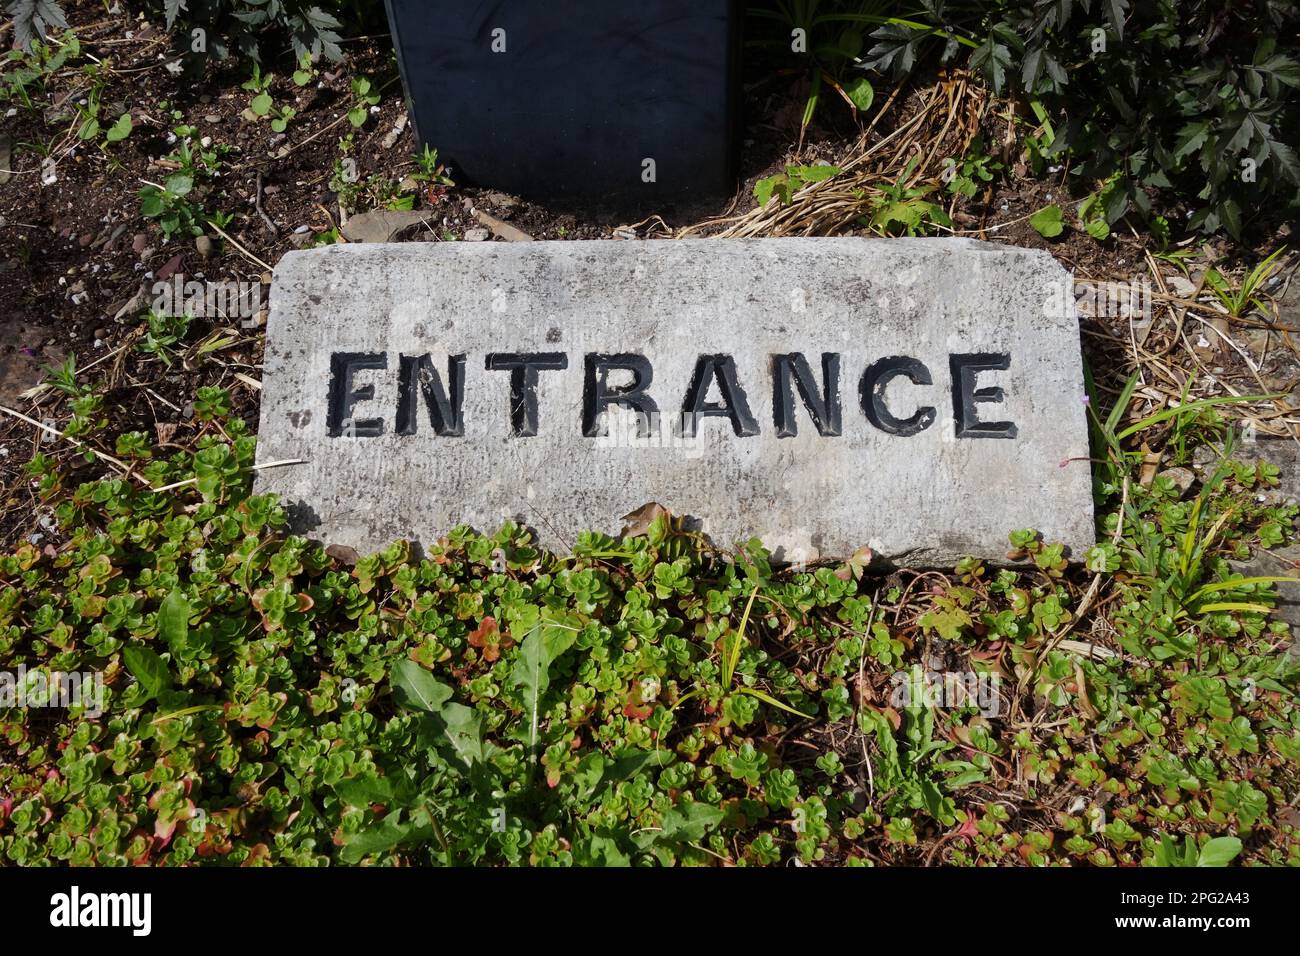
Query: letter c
876,380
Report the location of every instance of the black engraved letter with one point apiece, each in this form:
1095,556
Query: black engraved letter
874,383
523,368
598,396
965,396
824,409
344,394
416,377
734,404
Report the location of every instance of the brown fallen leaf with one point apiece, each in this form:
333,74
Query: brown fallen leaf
638,522
866,694
856,565
132,306
343,554
1150,465
168,268
503,229
1220,342
1081,684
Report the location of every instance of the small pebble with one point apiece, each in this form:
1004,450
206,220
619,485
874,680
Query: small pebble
1181,477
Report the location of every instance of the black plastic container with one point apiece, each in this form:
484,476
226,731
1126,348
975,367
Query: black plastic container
619,104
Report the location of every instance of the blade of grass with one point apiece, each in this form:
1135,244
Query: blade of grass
732,656
1235,606
1121,404
769,699
1196,406
1233,583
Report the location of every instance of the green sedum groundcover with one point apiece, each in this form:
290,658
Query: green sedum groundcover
645,701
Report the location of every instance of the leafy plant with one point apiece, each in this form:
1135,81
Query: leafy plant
784,185
375,191
33,19
429,169
167,203
32,64
219,29
1174,103
164,333
85,402
1237,299
828,40
306,72
1178,588
1048,222
1102,208
170,202
904,209
263,105
88,114
364,96
910,773
963,178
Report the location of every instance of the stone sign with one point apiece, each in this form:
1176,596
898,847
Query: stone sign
923,397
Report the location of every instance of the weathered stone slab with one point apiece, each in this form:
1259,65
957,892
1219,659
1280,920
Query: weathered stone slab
433,385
